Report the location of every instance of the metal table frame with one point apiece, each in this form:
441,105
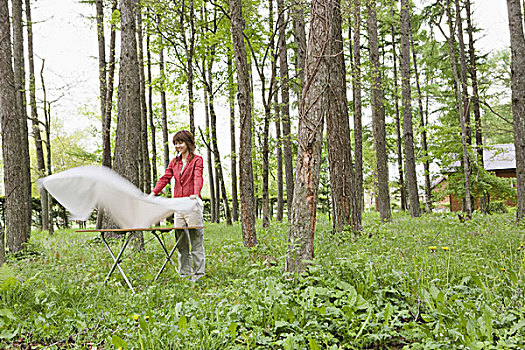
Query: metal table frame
128,234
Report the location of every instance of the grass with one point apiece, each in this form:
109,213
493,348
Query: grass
426,283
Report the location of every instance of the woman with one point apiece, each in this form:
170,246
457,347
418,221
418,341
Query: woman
186,168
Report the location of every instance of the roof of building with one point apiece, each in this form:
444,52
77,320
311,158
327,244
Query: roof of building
499,157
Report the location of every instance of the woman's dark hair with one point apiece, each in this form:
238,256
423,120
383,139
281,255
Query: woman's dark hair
186,137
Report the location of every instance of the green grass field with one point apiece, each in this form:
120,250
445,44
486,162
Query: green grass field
427,283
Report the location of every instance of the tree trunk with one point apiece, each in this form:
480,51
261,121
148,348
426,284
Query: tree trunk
16,218
233,154
399,141
358,129
106,117
312,108
128,122
424,145
150,112
378,118
164,109
99,5
462,111
517,46
338,128
279,158
2,240
19,73
214,210
189,49
299,31
245,109
47,128
410,160
474,79
145,185
285,108
37,136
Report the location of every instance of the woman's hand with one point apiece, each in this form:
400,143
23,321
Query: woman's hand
193,196
152,194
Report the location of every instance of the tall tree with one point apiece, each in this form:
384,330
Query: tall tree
187,17
463,70
145,170
128,122
399,142
410,160
517,47
285,106
358,112
15,163
37,136
299,31
423,125
245,110
233,139
150,110
19,72
214,204
378,117
99,7
312,108
338,128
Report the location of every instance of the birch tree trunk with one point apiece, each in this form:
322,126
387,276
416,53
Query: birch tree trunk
378,117
16,218
312,109
517,46
245,111
410,159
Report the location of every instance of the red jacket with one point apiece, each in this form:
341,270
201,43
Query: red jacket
185,184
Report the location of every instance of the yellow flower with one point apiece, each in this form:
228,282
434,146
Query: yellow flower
444,248
502,256
432,247
502,269
146,318
136,317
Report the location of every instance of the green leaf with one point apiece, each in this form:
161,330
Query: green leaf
313,344
232,329
118,342
183,323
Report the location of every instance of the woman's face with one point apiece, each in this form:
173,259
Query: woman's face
180,146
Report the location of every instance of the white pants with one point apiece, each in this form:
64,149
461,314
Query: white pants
190,263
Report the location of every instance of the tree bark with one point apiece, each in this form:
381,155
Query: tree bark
517,46
16,218
399,141
312,108
47,128
245,110
189,50
474,79
164,111
99,6
19,73
145,174
356,95
37,136
424,144
233,140
279,158
128,122
214,209
410,160
299,31
338,128
378,117
150,113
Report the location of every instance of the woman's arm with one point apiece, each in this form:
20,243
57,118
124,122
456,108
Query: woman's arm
164,179
197,176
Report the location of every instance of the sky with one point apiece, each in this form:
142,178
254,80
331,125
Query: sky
65,37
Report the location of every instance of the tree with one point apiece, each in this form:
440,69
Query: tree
245,117
378,117
233,141
15,163
410,160
37,136
312,108
338,129
517,46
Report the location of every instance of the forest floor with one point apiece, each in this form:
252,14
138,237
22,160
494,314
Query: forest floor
426,283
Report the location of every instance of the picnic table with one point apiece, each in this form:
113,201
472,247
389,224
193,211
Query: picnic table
127,233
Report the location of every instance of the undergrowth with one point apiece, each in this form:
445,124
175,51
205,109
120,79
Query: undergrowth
426,283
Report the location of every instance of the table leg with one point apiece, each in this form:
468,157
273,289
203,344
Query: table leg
116,260
168,257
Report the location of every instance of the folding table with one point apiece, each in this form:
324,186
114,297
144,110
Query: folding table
128,234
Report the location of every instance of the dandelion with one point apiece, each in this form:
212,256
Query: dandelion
502,256
432,248
502,269
136,317
444,248
146,318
